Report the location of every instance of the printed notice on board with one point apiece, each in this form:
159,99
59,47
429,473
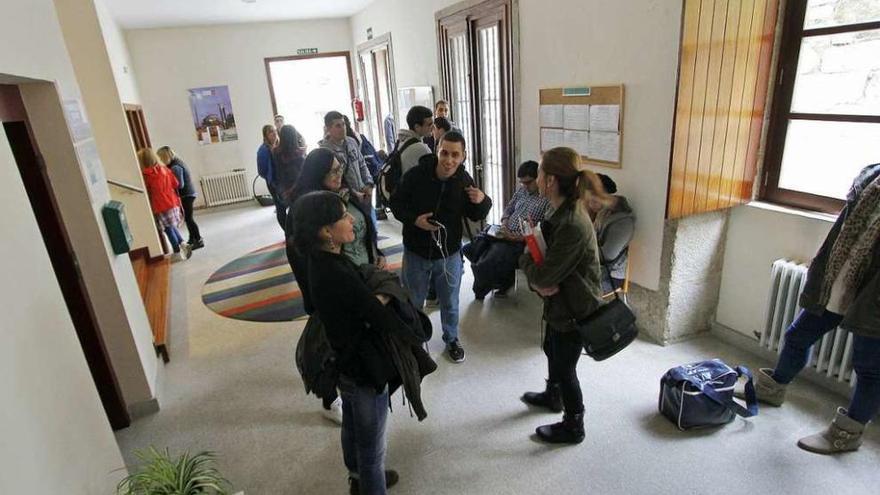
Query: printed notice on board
604,146
577,117
551,116
605,118
552,138
578,141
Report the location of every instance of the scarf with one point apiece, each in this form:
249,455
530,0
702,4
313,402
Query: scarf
855,242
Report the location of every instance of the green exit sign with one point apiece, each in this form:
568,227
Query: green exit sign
307,51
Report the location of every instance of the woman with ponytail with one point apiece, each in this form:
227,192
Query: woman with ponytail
568,280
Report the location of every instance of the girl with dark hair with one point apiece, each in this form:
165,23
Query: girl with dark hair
568,280
287,158
266,170
322,172
353,319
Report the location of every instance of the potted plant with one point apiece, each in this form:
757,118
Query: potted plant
160,474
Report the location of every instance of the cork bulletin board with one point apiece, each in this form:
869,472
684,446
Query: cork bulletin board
588,119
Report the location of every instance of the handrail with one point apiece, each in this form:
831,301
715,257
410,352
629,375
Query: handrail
125,186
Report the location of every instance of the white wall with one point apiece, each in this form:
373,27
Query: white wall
91,45
56,438
109,278
756,237
168,62
120,59
593,42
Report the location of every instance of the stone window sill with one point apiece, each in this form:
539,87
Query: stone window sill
787,210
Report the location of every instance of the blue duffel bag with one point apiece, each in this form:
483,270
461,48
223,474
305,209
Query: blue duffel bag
700,395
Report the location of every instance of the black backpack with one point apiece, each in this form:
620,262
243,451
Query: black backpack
392,171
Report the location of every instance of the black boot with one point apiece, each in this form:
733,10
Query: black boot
551,397
570,430
391,479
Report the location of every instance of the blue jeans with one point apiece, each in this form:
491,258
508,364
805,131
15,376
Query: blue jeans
364,417
174,238
808,328
445,275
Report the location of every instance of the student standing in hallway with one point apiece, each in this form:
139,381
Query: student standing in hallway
568,280
431,202
287,159
164,201
354,319
186,190
355,174
266,170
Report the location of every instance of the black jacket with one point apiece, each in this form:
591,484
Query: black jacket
404,341
353,319
299,265
422,192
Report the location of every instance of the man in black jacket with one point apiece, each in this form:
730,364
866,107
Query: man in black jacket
432,201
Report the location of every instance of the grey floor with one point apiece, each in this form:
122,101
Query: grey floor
231,387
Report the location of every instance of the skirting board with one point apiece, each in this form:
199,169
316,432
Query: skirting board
143,408
768,359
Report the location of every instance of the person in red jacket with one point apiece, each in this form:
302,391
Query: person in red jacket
164,201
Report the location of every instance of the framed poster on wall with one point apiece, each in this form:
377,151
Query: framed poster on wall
212,114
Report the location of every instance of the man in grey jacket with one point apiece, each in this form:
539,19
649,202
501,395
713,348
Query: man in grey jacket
842,288
355,173
420,121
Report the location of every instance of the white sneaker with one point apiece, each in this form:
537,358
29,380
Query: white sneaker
335,412
185,251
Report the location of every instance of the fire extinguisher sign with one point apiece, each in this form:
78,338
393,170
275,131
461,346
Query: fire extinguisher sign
306,51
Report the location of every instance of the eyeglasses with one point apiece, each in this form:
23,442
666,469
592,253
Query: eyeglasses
526,182
335,171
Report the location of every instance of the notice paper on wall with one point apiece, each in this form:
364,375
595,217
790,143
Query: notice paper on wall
604,146
605,118
578,141
576,117
552,138
552,116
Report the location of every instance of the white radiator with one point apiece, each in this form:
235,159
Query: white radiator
832,355
226,188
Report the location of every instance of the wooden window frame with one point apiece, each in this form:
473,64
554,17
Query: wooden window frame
467,16
370,47
267,61
793,33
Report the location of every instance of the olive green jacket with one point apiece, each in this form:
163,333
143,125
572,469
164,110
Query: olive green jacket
571,263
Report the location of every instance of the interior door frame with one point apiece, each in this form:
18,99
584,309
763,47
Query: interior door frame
470,15
63,259
370,46
268,60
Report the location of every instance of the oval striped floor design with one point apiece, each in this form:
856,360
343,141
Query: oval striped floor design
260,286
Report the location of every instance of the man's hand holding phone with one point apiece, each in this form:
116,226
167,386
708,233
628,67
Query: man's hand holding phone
426,222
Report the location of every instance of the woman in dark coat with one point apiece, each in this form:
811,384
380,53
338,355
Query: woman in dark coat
353,318
568,280
287,159
322,172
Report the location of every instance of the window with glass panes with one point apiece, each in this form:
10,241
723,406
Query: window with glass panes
825,124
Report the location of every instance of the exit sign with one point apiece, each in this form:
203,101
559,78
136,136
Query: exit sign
307,51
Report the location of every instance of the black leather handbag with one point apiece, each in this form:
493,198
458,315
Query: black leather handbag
609,329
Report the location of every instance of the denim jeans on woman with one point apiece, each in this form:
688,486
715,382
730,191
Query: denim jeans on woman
805,331
364,417
174,238
444,275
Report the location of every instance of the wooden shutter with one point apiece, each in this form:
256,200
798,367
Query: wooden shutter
724,71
